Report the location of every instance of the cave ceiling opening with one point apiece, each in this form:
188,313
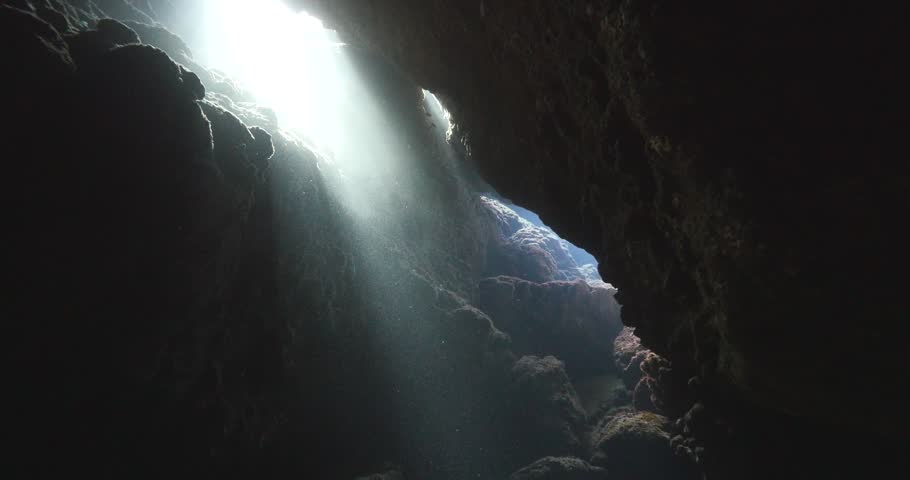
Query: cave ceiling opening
290,62
286,60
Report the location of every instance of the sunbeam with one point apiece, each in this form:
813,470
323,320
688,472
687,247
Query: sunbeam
290,62
285,59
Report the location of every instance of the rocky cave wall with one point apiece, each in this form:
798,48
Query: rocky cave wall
732,167
193,294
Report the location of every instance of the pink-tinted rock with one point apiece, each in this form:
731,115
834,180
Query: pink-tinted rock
574,321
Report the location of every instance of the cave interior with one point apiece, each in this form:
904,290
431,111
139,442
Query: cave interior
413,239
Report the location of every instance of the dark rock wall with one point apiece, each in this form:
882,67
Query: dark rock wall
734,168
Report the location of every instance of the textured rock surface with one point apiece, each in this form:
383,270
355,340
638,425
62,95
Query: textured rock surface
546,406
519,248
192,298
559,468
571,320
628,355
217,308
734,175
637,445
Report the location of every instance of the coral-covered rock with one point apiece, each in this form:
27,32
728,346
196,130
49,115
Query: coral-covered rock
637,445
560,468
545,407
670,392
628,353
574,321
656,386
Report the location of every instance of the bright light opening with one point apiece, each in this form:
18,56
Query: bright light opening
286,59
292,64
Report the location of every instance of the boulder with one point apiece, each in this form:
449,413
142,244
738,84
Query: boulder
545,407
637,445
